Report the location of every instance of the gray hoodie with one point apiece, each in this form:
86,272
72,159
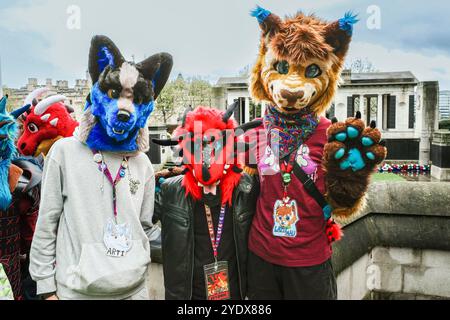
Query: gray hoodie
68,254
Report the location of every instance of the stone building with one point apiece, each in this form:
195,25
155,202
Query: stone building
404,108
444,104
229,89
76,95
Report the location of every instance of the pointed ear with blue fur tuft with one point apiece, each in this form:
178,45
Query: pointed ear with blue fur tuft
260,14
269,22
347,22
338,34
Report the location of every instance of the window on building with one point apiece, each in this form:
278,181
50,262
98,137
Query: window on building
412,112
373,109
350,107
392,112
255,110
331,113
238,115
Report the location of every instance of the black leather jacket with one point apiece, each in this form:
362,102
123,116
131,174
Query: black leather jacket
175,211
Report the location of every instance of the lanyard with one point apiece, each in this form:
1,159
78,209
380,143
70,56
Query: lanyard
215,241
120,174
286,171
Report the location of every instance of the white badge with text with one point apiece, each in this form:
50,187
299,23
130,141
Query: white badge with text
117,239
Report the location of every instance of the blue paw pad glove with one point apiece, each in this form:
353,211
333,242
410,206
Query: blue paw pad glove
354,161
352,132
367,142
159,184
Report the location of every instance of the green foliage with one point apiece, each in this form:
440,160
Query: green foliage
179,94
387,177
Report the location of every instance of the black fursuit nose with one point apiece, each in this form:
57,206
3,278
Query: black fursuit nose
205,174
123,116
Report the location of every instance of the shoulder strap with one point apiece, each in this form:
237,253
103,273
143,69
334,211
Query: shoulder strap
312,190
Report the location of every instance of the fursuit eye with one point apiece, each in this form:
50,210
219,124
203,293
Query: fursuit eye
313,71
33,128
113,94
282,67
138,100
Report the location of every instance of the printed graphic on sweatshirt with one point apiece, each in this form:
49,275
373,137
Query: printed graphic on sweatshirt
117,239
269,163
306,163
285,215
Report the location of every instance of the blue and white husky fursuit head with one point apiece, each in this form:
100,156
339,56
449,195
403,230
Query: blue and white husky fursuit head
122,98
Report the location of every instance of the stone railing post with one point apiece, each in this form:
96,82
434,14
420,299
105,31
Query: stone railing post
440,155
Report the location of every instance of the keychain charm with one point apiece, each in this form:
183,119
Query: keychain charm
133,183
134,186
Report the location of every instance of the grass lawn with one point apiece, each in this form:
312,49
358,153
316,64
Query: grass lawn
387,177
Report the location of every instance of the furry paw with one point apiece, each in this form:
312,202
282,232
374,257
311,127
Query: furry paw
162,176
353,146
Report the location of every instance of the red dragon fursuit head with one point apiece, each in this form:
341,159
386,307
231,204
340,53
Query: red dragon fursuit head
209,143
44,123
297,73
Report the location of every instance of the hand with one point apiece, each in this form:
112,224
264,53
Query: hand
53,297
350,157
354,147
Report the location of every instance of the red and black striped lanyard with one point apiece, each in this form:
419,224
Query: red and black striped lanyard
215,240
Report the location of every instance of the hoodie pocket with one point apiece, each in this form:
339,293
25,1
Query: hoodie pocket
101,275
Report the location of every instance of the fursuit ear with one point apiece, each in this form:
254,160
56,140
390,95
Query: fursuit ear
338,34
103,53
157,69
270,23
3,102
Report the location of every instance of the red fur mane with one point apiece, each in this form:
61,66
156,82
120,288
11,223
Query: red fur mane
211,123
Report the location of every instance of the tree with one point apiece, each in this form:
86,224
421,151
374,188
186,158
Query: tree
245,72
166,106
179,94
200,92
360,65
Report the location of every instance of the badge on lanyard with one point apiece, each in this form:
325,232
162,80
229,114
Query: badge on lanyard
117,239
285,216
217,281
216,274
285,211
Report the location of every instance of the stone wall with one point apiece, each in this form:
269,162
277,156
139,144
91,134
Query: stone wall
398,248
397,273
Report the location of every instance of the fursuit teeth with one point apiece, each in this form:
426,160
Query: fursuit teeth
347,22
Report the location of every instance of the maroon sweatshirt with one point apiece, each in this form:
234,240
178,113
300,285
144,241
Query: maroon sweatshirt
291,238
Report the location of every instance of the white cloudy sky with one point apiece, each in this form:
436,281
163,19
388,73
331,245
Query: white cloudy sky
210,38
